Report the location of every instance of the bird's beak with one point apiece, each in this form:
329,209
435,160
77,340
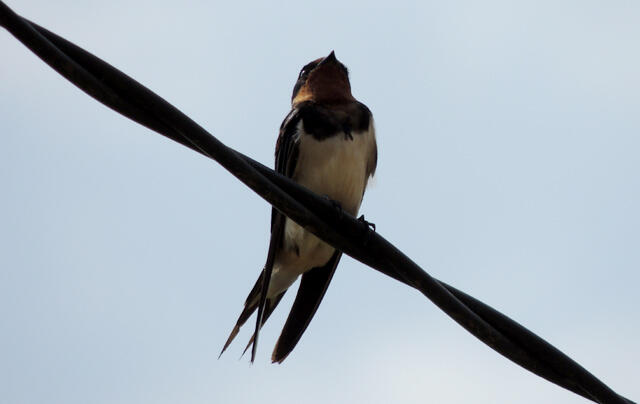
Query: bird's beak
329,59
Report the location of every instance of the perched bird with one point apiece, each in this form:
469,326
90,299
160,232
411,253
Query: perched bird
327,144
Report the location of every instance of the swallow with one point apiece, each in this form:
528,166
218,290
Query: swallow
326,143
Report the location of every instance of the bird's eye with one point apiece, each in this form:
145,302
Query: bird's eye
307,69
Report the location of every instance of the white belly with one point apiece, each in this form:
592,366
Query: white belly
333,167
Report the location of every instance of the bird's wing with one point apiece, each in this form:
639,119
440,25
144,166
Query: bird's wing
286,158
312,288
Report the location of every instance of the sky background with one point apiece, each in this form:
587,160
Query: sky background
509,136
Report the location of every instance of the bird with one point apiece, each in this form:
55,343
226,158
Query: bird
326,143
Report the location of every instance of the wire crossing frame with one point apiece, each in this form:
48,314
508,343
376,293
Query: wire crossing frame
129,98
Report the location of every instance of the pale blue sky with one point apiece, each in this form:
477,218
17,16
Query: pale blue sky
509,136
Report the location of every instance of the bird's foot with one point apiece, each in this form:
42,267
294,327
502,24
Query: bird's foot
368,228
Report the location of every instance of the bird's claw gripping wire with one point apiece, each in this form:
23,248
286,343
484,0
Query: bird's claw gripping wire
368,228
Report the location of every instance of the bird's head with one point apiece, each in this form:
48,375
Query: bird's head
324,80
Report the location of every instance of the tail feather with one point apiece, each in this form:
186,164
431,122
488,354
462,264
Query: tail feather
271,305
233,334
250,305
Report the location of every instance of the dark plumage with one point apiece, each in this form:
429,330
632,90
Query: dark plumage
326,143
